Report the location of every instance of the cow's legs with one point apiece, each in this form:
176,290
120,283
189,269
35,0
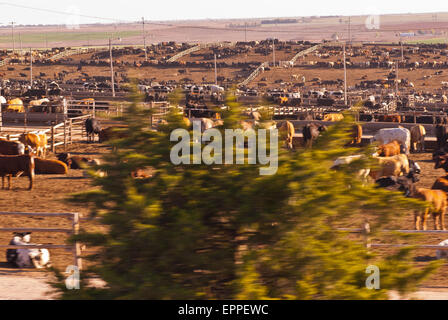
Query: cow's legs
31,177
436,220
417,220
9,181
3,182
425,219
442,219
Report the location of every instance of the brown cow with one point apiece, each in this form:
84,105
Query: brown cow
11,147
14,165
44,166
441,184
438,201
356,135
389,118
389,149
111,133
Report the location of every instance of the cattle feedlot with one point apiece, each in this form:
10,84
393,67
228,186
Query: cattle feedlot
180,157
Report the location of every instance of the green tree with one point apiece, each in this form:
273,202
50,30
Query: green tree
226,232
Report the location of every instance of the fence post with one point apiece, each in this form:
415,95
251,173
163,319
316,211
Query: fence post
65,135
77,246
52,140
366,232
70,130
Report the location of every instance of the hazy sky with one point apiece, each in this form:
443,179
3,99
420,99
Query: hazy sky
199,9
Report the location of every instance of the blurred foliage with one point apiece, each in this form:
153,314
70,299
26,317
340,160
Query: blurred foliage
225,232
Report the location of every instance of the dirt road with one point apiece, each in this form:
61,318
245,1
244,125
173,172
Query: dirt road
21,286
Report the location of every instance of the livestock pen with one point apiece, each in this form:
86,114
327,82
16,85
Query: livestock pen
73,217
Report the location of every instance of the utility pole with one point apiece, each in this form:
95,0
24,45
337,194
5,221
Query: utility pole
112,76
402,50
245,31
396,80
345,79
13,42
216,72
20,40
31,68
144,39
349,30
273,51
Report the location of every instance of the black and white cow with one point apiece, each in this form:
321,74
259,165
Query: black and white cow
27,258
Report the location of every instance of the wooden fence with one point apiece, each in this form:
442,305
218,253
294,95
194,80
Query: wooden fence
74,218
62,134
93,106
365,231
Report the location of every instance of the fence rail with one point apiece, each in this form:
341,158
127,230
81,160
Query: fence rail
75,220
304,52
62,134
365,231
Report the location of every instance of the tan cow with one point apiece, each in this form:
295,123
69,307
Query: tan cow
286,132
333,117
37,142
390,166
438,201
418,134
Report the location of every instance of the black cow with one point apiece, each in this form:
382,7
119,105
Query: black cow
403,183
442,135
310,133
92,127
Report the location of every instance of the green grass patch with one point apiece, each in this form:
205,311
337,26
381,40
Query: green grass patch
37,37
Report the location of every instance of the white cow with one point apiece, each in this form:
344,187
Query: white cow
442,253
362,173
216,89
27,258
402,135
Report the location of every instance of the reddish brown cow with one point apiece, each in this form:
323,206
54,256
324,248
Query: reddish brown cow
44,166
389,149
438,201
390,118
14,165
11,147
111,133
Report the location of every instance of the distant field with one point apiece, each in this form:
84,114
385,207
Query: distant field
41,37
429,41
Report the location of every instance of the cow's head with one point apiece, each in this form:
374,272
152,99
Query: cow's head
441,162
